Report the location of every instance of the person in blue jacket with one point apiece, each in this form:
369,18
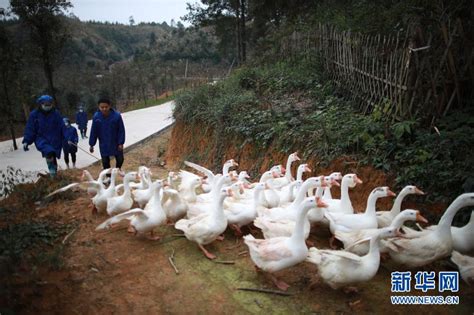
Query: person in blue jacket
108,128
81,121
45,128
70,142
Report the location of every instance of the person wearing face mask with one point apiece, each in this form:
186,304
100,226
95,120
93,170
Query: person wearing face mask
70,142
81,121
108,128
45,128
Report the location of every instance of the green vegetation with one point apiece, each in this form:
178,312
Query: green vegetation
26,239
292,106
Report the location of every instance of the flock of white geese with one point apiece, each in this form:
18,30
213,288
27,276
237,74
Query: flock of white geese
285,209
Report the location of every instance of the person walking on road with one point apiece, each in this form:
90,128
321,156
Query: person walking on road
108,128
70,141
45,128
81,121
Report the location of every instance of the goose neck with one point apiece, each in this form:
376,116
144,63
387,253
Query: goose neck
397,204
298,232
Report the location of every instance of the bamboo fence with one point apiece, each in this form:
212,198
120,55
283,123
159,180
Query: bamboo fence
407,75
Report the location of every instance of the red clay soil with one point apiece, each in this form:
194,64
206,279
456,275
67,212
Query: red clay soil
114,272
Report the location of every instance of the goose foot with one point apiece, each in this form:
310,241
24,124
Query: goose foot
237,230
280,284
220,237
348,290
153,237
94,210
131,229
309,243
208,254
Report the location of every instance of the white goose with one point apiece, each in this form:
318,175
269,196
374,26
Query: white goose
335,176
463,237
203,200
432,245
208,226
384,218
173,205
145,178
350,239
288,192
302,168
344,204
91,186
291,211
270,198
93,189
124,202
284,226
465,265
187,188
358,221
100,199
279,183
339,268
240,214
142,221
272,255
211,177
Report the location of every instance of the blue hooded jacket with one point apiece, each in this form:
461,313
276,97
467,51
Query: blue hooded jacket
70,134
81,120
109,130
45,129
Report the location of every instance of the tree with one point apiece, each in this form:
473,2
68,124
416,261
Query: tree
9,64
225,16
131,20
48,30
152,42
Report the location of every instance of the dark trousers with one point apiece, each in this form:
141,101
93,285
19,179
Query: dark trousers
52,163
73,157
118,161
83,133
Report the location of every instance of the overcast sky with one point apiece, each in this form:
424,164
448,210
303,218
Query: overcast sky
121,10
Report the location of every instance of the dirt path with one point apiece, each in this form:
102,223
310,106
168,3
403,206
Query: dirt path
114,272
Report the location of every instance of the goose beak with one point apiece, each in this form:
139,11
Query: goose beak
266,186
283,170
204,180
230,193
358,180
246,185
421,218
234,163
241,188
320,203
275,174
390,193
307,169
297,158
335,182
418,191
